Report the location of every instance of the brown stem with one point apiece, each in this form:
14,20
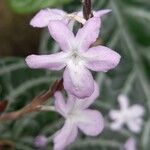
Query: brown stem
87,9
35,105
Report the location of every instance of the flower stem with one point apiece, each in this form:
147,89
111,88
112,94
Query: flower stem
87,9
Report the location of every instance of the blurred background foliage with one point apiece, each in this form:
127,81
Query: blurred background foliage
29,6
126,29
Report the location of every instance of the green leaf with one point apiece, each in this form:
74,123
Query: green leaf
28,6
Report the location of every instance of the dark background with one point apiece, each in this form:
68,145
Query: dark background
17,37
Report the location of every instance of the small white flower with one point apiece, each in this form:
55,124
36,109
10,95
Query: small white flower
129,115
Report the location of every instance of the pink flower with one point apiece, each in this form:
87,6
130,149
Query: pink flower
131,116
77,56
77,116
43,17
40,141
130,144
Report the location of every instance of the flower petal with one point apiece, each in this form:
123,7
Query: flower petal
60,105
137,110
42,18
130,144
116,125
123,102
50,62
101,13
134,126
85,103
115,114
65,136
88,34
61,34
101,58
78,81
92,123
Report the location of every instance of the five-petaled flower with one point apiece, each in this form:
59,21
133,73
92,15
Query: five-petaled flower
77,56
77,116
131,116
43,17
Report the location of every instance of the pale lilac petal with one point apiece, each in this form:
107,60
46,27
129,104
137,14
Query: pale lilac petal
78,81
60,104
42,18
65,136
139,121
130,144
114,114
70,102
92,122
50,62
116,125
101,58
133,126
101,13
41,141
61,34
79,104
123,102
88,34
85,103
137,110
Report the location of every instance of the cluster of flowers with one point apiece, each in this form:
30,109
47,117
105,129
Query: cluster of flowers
77,57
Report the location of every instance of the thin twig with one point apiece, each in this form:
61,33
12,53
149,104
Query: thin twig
35,105
87,9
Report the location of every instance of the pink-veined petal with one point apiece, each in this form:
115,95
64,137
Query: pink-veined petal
60,104
101,13
85,103
65,136
78,81
42,18
123,102
61,34
50,62
88,34
101,58
92,123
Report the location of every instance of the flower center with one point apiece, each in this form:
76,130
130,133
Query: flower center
76,58
76,116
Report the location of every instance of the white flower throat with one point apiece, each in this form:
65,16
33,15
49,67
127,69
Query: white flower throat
75,58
